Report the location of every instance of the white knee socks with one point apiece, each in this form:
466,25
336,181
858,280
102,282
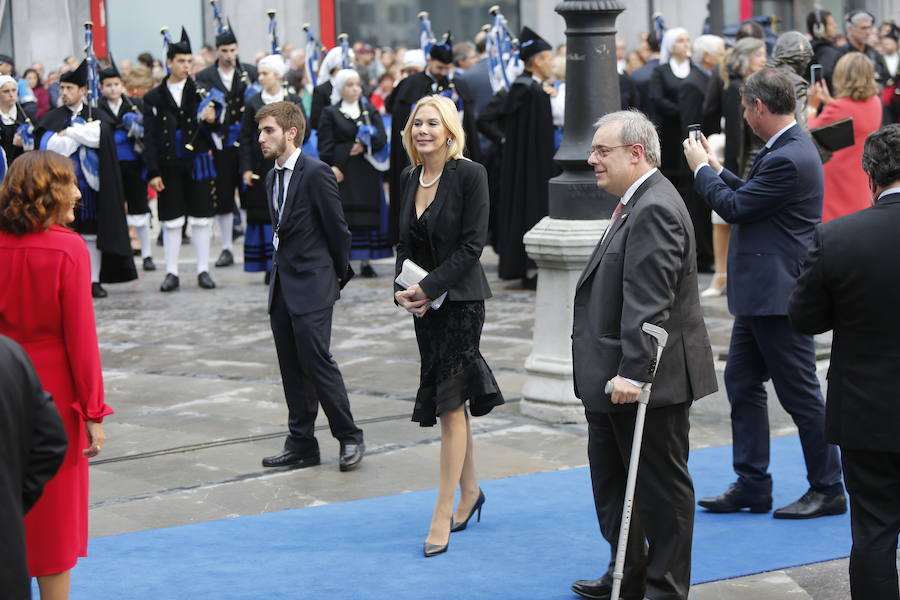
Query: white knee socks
172,243
200,234
96,257
226,223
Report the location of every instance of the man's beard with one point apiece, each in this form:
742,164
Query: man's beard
280,149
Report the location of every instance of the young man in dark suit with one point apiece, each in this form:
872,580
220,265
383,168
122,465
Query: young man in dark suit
643,270
772,214
855,292
309,268
33,446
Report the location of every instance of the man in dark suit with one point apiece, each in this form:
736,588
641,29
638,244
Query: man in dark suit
33,445
863,410
772,214
708,51
310,265
643,270
642,76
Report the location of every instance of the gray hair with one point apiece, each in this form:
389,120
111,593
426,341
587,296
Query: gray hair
707,44
881,155
856,17
635,128
738,62
773,88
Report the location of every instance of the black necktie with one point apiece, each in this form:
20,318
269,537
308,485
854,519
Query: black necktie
279,195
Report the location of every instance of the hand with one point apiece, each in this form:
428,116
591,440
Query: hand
248,178
713,161
157,183
338,174
415,292
624,392
209,114
550,90
96,438
357,148
695,153
18,141
818,95
416,307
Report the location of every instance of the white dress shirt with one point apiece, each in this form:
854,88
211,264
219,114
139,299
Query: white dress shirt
227,78
177,90
288,168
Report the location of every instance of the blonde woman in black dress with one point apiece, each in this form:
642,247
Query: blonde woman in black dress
443,227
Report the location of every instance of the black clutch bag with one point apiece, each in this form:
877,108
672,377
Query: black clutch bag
347,276
835,136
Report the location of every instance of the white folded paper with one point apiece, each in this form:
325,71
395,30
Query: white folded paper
411,274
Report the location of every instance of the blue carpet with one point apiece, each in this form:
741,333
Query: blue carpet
538,534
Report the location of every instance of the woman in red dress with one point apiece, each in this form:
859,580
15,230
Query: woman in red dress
856,96
46,306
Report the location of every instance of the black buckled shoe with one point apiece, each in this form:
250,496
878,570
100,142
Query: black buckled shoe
351,456
295,460
737,498
170,283
205,281
148,264
226,259
813,504
97,290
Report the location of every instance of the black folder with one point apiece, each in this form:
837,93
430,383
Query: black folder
835,136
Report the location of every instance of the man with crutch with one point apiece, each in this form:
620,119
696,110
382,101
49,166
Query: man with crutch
643,270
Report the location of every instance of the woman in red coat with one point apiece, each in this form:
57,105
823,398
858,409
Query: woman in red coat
856,96
46,306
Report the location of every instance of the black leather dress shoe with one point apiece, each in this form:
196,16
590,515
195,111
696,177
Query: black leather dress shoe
351,456
148,264
599,589
97,290
368,272
205,281
737,498
813,504
226,259
291,459
170,283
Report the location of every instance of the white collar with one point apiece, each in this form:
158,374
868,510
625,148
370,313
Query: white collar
538,79
634,186
11,115
77,110
178,85
889,191
680,69
268,99
352,110
290,162
115,106
777,135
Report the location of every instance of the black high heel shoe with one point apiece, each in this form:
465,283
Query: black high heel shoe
454,526
430,550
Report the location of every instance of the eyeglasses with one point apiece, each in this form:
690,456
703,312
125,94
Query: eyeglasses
604,151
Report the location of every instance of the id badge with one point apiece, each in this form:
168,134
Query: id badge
275,241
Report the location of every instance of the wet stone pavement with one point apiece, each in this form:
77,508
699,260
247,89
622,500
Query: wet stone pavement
193,378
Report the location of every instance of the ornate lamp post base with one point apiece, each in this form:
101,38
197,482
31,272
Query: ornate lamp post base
561,248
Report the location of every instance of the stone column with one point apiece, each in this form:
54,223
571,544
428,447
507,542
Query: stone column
562,242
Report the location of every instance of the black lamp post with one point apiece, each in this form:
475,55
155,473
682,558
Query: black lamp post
592,90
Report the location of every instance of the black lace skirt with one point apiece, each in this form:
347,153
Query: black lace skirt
453,369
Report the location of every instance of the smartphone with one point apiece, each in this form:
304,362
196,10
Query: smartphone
694,131
815,73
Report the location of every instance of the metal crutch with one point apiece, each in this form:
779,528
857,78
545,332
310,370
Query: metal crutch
618,570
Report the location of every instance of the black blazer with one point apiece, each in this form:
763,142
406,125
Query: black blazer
33,445
457,229
849,284
644,270
312,260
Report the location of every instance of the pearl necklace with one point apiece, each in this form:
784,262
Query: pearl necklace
433,181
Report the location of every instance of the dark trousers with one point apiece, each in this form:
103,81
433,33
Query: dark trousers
183,195
701,219
764,347
227,179
873,480
310,376
658,557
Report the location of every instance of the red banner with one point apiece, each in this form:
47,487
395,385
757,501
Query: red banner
98,16
746,9
327,35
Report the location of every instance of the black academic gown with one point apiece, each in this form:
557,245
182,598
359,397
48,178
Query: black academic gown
117,264
321,97
251,159
7,134
526,167
399,104
665,90
361,188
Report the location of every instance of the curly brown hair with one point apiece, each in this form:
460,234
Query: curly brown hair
36,192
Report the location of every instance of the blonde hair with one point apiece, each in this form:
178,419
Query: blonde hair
449,118
854,77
